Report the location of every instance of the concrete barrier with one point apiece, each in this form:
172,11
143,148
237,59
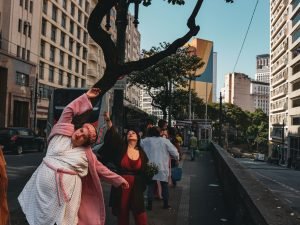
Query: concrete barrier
250,202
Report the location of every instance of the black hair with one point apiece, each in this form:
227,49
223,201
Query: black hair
161,123
138,144
153,132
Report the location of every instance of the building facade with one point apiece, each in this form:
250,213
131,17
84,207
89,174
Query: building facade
19,57
260,94
285,80
263,68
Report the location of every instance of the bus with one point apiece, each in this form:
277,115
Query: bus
60,98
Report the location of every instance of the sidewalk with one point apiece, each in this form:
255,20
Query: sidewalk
197,199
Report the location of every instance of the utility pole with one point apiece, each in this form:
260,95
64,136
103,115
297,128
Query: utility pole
35,102
282,142
220,121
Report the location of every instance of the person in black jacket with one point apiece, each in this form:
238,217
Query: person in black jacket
127,158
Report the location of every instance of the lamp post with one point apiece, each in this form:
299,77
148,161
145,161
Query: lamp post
220,120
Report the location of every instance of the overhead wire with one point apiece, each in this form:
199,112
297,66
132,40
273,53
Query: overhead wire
244,40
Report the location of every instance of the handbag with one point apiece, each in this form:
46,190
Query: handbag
176,173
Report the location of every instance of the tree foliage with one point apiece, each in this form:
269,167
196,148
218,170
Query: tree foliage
168,74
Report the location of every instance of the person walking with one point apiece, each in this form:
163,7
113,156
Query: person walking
4,213
193,145
159,150
129,160
65,189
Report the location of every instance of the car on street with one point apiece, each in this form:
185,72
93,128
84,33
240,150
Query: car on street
20,139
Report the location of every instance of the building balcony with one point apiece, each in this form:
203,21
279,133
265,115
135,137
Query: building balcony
276,13
279,105
279,50
280,77
92,73
279,37
274,5
92,57
280,91
277,118
279,64
279,24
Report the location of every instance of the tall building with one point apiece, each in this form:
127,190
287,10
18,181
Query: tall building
260,92
203,84
285,80
263,68
19,57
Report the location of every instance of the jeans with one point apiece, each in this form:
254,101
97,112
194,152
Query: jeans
192,153
164,191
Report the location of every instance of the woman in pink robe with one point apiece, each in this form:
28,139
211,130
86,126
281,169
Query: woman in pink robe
65,189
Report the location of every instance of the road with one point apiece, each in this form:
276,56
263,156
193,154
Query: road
283,182
19,170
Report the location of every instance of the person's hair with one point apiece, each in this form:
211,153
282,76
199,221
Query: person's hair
161,123
138,143
172,131
89,142
153,132
149,121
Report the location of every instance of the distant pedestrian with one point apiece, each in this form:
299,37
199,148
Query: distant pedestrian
65,189
193,144
4,213
159,150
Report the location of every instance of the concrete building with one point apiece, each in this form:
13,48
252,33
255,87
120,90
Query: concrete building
263,68
19,57
237,91
285,80
146,106
260,94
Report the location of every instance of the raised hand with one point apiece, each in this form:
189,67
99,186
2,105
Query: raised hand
125,185
93,92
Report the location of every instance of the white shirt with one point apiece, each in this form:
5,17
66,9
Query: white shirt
159,150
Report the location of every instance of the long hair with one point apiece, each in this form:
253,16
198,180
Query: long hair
138,143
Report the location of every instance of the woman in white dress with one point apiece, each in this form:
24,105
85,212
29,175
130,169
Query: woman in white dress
57,191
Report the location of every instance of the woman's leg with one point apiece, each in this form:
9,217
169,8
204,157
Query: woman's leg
123,218
141,219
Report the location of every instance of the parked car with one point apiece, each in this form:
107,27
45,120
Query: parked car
20,139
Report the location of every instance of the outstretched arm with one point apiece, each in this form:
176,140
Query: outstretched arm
79,105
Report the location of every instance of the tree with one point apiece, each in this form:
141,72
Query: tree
170,73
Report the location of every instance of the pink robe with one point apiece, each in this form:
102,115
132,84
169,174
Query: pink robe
92,208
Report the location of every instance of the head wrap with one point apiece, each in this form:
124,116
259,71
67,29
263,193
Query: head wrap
91,131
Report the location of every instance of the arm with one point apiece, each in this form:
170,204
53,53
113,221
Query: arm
79,106
109,176
172,150
107,120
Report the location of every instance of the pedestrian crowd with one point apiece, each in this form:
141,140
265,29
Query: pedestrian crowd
66,187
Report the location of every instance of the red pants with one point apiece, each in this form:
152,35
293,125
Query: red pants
123,219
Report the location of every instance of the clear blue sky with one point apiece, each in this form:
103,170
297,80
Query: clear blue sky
224,24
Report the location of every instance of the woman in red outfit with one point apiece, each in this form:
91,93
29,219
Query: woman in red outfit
129,161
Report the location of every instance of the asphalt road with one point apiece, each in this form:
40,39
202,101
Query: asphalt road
283,182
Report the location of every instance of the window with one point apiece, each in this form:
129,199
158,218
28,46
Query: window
71,41
54,12
85,21
23,53
29,31
42,71
25,27
20,25
45,6
84,53
70,62
64,3
296,120
31,7
78,49
21,2
52,53
53,33
51,74
26,4
60,77
28,55
85,37
71,27
83,68
77,66
83,83
72,9
296,86
69,76
42,53
79,16
22,79
76,82
18,51
80,2
78,32
44,26
63,20
61,58
62,39
86,8
296,103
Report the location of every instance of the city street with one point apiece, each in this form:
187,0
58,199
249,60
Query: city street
283,182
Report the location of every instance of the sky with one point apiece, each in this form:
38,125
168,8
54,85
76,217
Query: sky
223,23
